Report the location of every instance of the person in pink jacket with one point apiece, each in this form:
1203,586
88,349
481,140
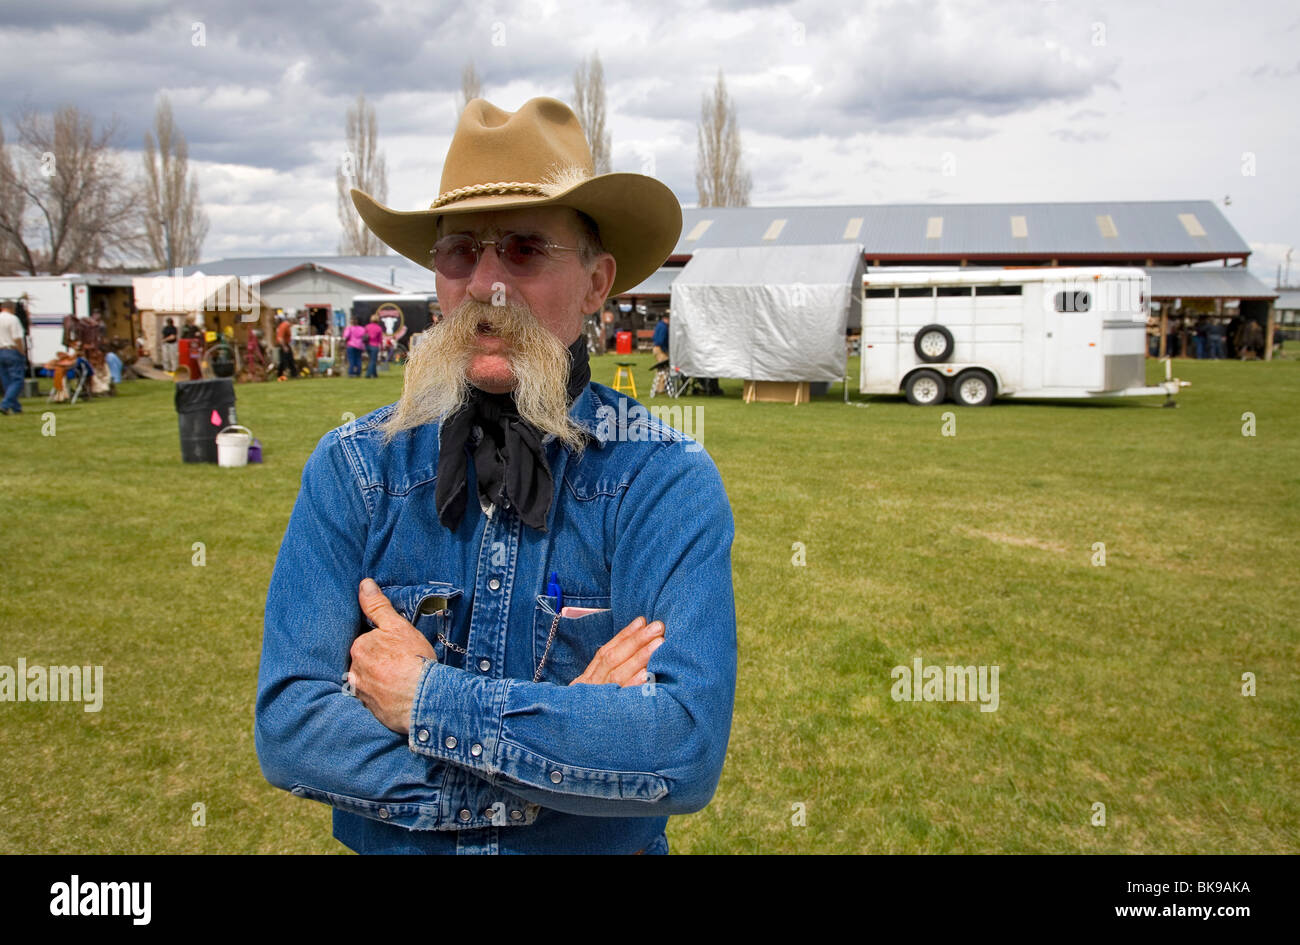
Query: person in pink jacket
374,338
354,338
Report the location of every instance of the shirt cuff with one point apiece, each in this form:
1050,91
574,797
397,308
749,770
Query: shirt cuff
456,717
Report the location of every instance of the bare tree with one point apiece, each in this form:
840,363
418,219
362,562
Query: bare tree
362,167
589,104
720,174
15,255
175,225
471,87
68,203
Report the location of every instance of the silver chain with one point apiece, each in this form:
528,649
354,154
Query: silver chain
550,638
451,646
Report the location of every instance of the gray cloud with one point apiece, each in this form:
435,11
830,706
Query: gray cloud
849,99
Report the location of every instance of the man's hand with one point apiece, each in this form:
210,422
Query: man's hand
387,661
624,658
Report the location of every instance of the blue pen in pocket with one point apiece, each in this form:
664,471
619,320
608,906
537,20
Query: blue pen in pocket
553,590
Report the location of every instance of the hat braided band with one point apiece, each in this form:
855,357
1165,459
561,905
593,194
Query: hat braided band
478,190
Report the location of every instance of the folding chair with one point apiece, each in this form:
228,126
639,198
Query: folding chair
74,382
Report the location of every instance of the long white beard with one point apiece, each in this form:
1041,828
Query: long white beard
435,384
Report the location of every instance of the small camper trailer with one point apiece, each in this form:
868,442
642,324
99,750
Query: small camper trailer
975,334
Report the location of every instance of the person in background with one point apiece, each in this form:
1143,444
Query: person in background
284,339
1230,336
1199,338
255,356
170,358
1214,335
659,345
114,369
13,359
1250,340
659,342
354,338
374,338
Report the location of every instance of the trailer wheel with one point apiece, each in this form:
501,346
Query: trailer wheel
933,344
974,388
925,388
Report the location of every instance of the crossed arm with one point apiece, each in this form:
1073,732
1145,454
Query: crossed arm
387,662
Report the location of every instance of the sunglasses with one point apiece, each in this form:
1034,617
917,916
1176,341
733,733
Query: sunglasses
455,256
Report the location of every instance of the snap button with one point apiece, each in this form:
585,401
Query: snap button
516,815
485,665
451,741
423,735
383,813
556,777
465,815
476,750
494,584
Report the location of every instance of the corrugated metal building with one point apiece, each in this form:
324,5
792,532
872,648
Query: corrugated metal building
1195,257
1137,233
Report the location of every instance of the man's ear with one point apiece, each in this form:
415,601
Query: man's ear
602,279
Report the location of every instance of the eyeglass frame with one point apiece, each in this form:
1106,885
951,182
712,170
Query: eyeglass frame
478,250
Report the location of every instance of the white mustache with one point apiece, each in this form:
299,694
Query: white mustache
436,384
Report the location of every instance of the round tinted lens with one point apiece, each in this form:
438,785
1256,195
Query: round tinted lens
523,253
455,256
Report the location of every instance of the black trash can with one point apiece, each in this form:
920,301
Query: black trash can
205,409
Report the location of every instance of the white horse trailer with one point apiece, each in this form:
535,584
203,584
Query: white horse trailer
975,334
50,299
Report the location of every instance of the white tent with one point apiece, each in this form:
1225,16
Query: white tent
766,313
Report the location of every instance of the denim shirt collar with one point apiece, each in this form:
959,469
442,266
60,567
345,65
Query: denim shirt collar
584,413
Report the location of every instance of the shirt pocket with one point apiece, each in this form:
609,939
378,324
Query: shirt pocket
430,608
575,640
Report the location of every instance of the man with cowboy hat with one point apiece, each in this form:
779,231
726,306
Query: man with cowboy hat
502,619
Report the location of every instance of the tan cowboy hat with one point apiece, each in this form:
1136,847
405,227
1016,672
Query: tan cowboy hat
536,157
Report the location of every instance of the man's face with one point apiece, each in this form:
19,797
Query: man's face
562,291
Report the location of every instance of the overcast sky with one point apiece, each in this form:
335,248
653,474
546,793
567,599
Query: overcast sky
866,102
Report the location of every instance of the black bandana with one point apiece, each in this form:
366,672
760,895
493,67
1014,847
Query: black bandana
509,460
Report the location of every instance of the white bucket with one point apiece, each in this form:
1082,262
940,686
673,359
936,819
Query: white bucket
232,446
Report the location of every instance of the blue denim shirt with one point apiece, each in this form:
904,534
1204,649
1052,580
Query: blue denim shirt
494,762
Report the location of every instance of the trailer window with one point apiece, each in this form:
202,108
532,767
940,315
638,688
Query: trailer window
880,293
998,290
1073,301
950,290
916,293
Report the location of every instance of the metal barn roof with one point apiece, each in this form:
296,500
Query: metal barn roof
1170,230
391,273
1288,299
1210,282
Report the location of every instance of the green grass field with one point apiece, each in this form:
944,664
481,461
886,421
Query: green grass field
1119,684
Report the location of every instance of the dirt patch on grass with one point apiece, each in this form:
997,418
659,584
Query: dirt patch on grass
1019,540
